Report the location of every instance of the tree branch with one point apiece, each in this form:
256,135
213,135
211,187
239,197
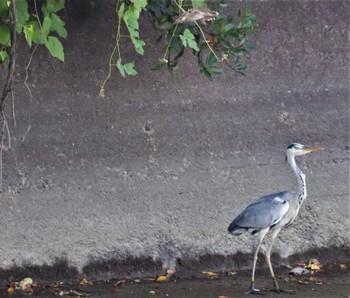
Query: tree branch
11,69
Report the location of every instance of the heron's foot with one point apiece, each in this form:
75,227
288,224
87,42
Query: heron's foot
254,291
281,290
277,289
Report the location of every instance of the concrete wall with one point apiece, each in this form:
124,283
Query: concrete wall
158,168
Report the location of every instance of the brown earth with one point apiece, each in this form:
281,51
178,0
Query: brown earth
333,280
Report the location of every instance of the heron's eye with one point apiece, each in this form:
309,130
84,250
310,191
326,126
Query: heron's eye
298,147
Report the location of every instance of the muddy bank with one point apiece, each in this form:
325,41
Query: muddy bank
186,269
331,281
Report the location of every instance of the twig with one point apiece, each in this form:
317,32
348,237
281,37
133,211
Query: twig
13,109
1,150
2,147
30,94
116,48
206,41
27,75
8,132
37,16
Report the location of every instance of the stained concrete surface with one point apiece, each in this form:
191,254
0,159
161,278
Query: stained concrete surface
158,168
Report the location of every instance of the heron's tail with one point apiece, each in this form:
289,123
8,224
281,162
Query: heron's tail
236,230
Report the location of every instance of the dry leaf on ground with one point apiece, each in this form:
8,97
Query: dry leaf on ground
118,283
303,282
73,293
170,271
11,290
343,267
161,278
85,282
209,273
314,264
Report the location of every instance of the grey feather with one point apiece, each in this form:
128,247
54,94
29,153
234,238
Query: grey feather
264,213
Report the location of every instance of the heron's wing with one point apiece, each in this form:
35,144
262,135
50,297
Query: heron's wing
265,212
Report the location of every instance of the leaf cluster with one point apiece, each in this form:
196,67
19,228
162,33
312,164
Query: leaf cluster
42,26
215,42
223,40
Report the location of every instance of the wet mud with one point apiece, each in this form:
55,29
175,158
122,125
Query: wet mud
229,277
332,280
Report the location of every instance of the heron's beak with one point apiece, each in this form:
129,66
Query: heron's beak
310,149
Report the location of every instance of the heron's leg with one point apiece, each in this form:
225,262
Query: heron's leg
268,261
252,289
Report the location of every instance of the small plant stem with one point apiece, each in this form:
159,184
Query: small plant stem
30,94
210,48
13,109
110,64
169,43
37,16
172,36
118,38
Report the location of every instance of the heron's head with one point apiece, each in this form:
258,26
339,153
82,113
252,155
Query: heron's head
296,149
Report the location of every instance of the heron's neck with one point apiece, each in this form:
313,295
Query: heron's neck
301,180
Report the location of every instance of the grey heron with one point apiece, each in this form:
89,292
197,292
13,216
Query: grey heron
273,212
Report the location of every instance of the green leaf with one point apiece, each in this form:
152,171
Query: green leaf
121,68
166,26
126,69
228,28
131,19
207,74
55,47
5,35
54,5
226,44
4,7
188,39
198,3
211,59
58,25
121,10
37,36
216,71
176,44
46,26
138,44
22,14
193,45
139,4
3,55
240,68
129,69
29,34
